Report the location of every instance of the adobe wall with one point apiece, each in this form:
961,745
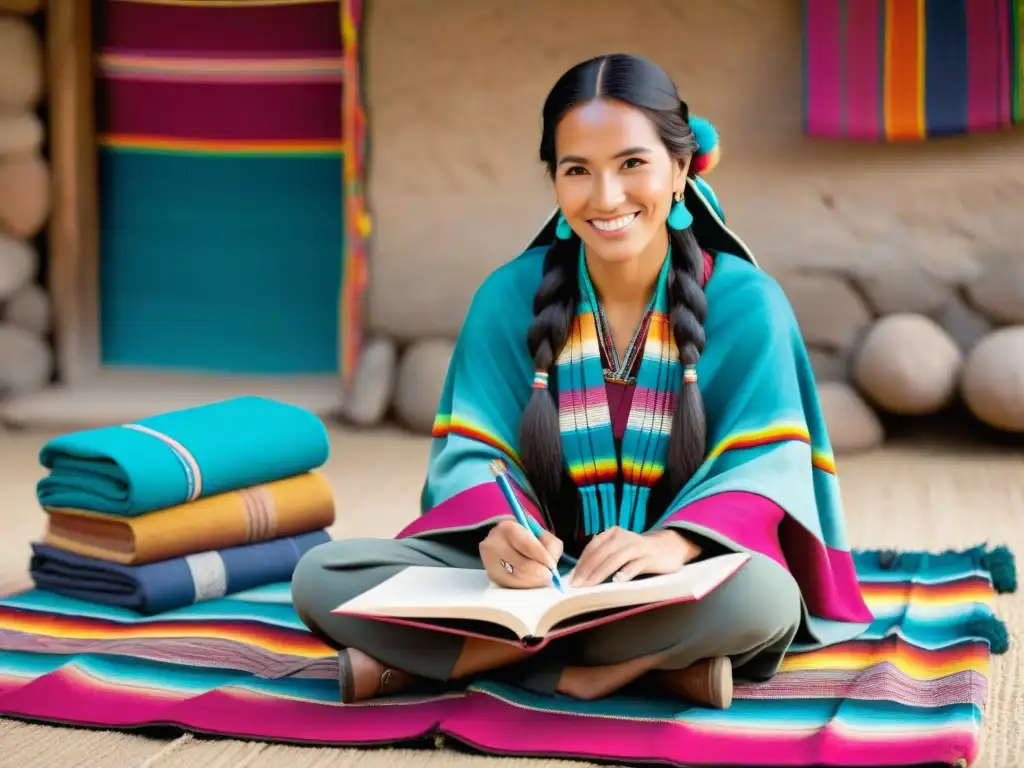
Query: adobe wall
456,189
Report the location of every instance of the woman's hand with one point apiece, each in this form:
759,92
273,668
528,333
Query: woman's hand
515,558
627,554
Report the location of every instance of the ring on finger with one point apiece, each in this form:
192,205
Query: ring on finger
508,567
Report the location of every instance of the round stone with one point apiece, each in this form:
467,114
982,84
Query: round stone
24,195
373,384
908,365
18,263
21,65
20,134
992,385
26,361
29,309
420,382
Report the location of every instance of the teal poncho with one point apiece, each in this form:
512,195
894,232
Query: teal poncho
768,483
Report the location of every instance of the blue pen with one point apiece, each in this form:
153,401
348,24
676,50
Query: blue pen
527,521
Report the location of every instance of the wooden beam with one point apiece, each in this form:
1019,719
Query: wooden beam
74,221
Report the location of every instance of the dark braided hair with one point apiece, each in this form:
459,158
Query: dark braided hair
644,85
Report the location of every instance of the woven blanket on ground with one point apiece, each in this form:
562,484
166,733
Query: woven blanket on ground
895,70
911,691
174,583
231,154
181,456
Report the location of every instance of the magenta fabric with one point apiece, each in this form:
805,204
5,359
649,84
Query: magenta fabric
750,520
269,29
827,576
473,507
224,111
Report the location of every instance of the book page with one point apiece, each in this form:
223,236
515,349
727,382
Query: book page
422,592
427,592
691,582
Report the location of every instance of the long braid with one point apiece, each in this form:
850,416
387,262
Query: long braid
688,307
554,308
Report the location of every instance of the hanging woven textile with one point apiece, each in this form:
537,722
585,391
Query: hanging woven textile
230,174
907,70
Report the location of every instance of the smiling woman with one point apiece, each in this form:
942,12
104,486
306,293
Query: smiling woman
649,390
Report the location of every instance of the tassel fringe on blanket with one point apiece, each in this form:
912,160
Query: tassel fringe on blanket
910,691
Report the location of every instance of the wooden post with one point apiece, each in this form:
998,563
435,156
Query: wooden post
74,221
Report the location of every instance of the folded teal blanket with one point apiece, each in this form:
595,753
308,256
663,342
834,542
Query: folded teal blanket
181,456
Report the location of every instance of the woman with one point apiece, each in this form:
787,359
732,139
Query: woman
696,382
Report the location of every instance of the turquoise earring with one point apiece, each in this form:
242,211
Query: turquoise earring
562,230
679,217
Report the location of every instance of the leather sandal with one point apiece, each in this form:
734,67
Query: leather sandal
707,682
362,677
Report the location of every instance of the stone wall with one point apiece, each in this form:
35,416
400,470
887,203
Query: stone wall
899,259
26,357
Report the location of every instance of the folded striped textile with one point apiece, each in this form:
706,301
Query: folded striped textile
905,70
181,456
283,508
169,584
911,691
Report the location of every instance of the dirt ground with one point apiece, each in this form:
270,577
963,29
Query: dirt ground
903,497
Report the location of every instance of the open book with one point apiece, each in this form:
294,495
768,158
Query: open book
467,602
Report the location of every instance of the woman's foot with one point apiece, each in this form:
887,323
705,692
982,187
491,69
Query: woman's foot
362,677
589,683
707,682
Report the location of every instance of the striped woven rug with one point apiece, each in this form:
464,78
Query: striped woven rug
905,70
911,691
231,153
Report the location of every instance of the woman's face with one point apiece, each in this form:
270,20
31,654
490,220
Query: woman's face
614,178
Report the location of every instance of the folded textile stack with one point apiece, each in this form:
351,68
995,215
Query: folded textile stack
183,507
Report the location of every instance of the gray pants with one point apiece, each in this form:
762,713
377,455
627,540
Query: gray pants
752,618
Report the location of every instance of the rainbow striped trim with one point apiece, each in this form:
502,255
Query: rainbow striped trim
824,461
638,473
446,424
285,640
600,470
907,70
777,433
222,148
